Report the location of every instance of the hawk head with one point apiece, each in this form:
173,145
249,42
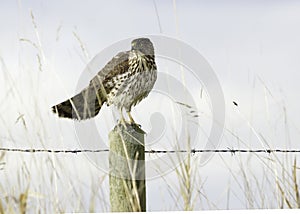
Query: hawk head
143,45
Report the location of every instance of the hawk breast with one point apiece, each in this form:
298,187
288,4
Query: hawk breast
131,86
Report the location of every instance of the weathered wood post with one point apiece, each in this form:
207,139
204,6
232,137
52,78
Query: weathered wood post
127,169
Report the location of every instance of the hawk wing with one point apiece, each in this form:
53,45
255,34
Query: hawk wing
89,101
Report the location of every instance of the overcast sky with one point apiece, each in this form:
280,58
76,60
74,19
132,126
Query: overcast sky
252,46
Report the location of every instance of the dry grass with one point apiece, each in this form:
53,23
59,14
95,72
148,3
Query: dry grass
58,190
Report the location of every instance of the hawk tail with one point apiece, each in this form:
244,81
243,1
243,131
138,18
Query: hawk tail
84,105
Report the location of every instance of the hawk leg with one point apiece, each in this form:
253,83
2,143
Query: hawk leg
131,120
122,119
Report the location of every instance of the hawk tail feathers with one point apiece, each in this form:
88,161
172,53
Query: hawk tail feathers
84,105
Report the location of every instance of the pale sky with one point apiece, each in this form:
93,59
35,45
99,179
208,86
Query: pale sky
252,46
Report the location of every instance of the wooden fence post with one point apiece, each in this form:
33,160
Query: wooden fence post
127,169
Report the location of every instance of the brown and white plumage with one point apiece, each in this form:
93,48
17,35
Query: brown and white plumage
124,81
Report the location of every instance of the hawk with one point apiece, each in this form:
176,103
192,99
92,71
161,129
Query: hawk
123,82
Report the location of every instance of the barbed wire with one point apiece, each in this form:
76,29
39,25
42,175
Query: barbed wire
192,151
